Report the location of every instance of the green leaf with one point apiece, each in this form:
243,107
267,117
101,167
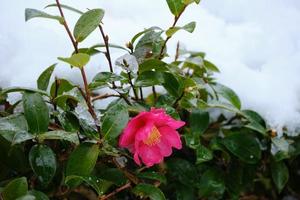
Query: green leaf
62,86
12,125
199,121
103,78
256,122
153,64
99,185
36,112
244,146
135,37
210,66
87,23
21,137
44,78
183,171
110,45
153,176
114,120
190,27
146,190
176,6
77,60
203,154
211,184
43,163
280,174
14,189
34,195
172,85
59,135
85,154
229,95
22,89
66,7
149,78
33,13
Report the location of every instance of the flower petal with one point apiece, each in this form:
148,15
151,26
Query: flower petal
171,136
136,158
164,147
128,136
162,119
150,155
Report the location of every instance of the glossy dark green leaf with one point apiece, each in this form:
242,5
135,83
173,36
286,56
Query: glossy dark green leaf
11,125
15,189
113,175
36,112
190,27
114,121
85,154
280,174
199,121
183,171
172,84
149,78
99,185
87,23
62,86
153,176
77,60
176,6
229,95
211,184
44,78
150,191
43,163
210,66
21,137
59,135
33,13
256,122
203,154
135,37
244,146
153,64
103,79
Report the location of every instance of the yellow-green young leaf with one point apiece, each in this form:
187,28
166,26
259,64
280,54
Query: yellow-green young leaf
82,162
176,6
150,191
15,189
33,13
190,27
43,163
77,60
36,112
43,80
87,23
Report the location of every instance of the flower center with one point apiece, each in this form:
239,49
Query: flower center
153,138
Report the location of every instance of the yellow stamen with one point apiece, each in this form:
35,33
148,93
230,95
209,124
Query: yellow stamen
153,138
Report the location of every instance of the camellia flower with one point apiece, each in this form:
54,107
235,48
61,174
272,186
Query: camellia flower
150,136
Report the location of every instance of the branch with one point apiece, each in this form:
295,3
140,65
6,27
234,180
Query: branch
131,84
127,185
104,96
169,37
87,95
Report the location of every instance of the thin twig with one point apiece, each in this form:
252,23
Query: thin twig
177,51
104,96
107,53
127,185
132,86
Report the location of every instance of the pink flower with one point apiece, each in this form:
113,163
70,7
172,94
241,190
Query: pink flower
150,136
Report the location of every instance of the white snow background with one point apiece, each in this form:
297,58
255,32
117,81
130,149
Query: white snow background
255,43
